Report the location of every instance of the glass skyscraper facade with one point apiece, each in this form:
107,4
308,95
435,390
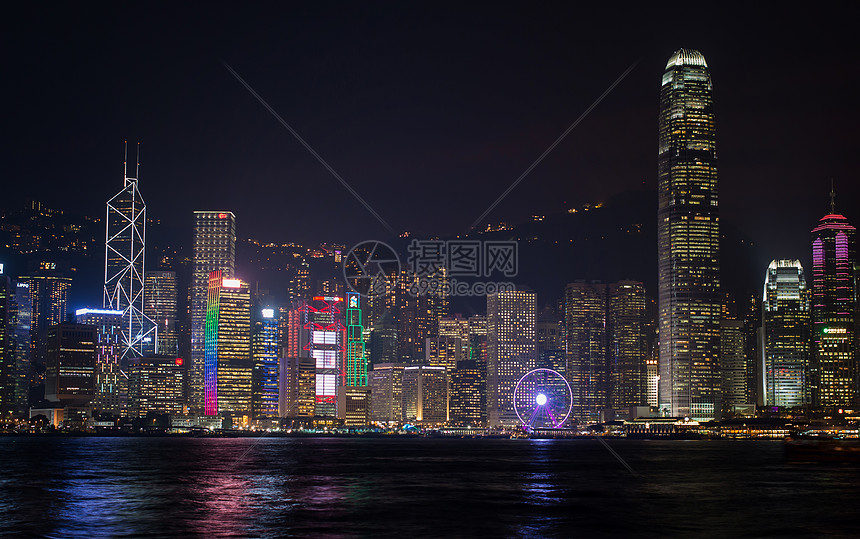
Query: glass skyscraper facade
264,356
688,235
227,372
833,371
159,304
510,350
214,249
587,367
785,321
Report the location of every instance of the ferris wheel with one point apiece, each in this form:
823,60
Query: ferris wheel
542,398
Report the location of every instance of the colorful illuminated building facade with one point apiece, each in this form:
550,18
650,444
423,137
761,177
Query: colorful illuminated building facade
111,385
510,350
356,361
688,236
264,356
214,249
324,339
227,371
833,371
786,333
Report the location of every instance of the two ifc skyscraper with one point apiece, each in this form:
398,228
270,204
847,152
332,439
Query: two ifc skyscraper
688,236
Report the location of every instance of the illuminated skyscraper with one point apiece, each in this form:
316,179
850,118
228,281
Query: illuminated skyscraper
510,350
159,304
425,394
833,370
785,320
48,292
323,338
733,365
71,364
264,356
227,371
688,236
7,349
156,385
21,336
468,404
386,385
214,250
627,351
355,369
111,385
125,244
587,365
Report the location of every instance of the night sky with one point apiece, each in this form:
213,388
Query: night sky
428,110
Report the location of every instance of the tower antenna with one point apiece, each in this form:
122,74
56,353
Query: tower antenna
125,160
832,198
137,168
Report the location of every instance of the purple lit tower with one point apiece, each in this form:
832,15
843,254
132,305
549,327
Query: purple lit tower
833,371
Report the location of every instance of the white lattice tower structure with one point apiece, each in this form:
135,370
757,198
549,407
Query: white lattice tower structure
125,244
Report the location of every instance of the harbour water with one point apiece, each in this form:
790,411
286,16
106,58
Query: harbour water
371,487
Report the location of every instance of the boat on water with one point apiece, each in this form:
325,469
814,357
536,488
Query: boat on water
822,448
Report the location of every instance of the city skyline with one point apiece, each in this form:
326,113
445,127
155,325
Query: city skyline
584,168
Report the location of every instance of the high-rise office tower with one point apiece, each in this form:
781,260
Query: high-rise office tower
227,372
323,337
733,365
156,384
688,236
48,292
386,386
478,341
159,305
264,357
510,350
355,369
425,394
20,333
458,328
71,364
785,321
587,365
627,350
214,250
297,387
297,371
111,385
833,371
7,349
125,244
467,396
353,398
443,352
